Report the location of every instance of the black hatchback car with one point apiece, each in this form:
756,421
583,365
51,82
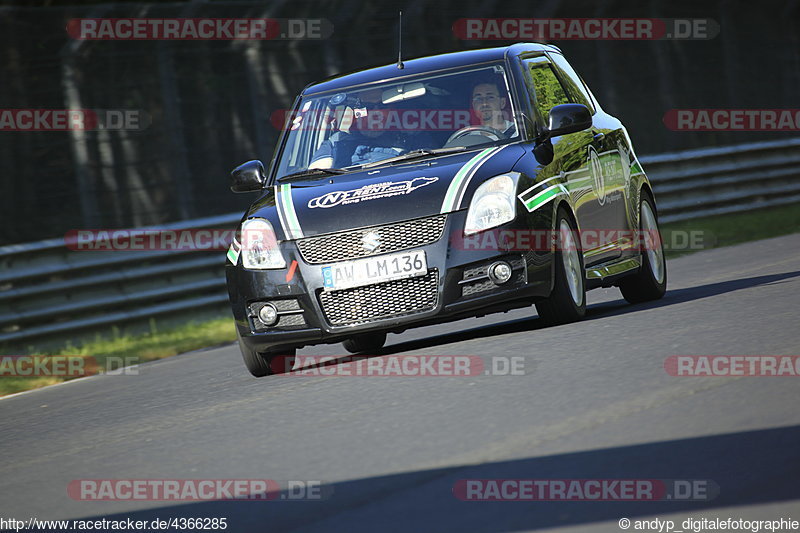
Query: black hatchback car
448,187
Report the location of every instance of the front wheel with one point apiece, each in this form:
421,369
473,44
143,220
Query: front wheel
264,364
567,302
650,282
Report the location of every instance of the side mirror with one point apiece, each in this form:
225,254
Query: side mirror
248,177
567,118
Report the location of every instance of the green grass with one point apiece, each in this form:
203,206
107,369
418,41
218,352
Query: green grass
727,230
710,232
110,354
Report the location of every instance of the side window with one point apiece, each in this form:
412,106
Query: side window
576,90
548,89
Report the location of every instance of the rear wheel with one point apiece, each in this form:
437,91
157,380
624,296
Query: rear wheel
567,302
366,342
265,364
650,282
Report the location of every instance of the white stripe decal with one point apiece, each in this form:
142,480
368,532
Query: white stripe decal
281,215
538,200
472,173
449,198
286,212
458,187
536,186
291,214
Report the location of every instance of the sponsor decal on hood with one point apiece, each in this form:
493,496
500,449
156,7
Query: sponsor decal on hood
372,191
384,195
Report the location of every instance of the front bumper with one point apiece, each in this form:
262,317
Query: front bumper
298,296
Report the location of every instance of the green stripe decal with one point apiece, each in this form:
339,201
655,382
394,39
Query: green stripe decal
233,255
543,197
452,190
294,231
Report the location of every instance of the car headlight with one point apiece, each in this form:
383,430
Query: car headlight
260,250
493,204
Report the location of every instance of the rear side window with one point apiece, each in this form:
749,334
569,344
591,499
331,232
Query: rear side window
549,91
573,84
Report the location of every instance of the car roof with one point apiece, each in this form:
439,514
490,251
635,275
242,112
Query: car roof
423,64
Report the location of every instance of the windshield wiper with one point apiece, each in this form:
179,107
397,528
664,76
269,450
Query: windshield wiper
310,172
416,154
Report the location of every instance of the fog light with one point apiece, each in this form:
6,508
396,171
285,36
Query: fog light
268,314
500,272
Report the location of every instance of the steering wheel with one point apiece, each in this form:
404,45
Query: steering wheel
486,131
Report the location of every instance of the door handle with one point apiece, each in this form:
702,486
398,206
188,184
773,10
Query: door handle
598,136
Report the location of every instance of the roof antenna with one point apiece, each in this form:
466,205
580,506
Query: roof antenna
400,43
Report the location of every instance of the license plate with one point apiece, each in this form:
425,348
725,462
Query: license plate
374,270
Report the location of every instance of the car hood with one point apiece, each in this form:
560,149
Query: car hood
381,195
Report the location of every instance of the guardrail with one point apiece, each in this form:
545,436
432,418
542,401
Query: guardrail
729,179
49,291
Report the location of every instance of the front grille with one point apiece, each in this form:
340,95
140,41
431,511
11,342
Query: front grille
349,244
384,300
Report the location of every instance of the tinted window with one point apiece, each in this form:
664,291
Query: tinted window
549,92
572,82
368,123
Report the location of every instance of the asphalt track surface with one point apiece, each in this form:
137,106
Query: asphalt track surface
594,403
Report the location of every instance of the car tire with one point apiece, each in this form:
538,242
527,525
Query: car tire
264,364
366,342
567,301
650,281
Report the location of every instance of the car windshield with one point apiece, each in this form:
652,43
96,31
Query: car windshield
367,124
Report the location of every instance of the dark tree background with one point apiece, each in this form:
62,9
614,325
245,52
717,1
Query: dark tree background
210,102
